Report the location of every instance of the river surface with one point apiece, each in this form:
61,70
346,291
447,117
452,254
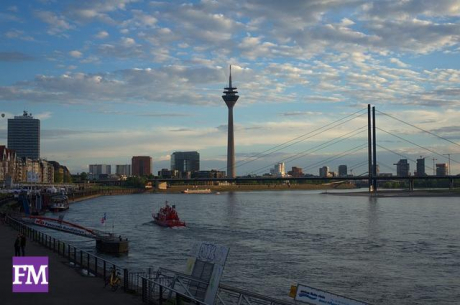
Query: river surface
377,250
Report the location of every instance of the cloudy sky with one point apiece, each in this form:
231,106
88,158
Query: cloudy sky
111,79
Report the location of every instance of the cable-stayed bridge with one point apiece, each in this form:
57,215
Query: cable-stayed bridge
361,128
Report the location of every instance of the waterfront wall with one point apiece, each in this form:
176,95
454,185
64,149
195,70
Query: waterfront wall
93,193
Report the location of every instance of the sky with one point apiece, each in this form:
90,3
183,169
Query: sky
113,79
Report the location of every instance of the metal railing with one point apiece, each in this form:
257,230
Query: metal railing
154,286
173,284
90,264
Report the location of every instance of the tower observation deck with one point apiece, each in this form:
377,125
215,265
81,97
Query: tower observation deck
230,97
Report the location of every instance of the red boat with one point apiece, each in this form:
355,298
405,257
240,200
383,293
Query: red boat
167,217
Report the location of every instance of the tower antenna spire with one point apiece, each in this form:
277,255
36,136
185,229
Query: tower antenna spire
230,78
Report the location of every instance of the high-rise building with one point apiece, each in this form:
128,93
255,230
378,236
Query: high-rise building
296,172
324,171
421,167
123,170
278,170
24,136
141,166
402,168
343,171
230,97
441,169
185,161
96,170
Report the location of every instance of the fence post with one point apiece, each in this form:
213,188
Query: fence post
105,271
89,267
125,280
144,290
160,300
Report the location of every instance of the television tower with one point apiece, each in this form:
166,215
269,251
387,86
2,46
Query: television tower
230,97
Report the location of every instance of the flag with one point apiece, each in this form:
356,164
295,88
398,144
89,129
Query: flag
103,219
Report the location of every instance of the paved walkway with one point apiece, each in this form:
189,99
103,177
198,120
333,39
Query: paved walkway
66,285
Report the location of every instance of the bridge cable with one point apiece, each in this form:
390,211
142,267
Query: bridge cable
297,139
401,155
338,156
357,165
316,148
401,138
429,132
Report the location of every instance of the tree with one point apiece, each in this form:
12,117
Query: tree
83,176
58,177
138,182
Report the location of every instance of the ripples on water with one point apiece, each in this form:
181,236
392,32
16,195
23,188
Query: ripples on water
383,251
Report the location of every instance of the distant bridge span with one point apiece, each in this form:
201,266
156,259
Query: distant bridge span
325,179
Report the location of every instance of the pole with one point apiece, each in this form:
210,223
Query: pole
434,168
369,141
374,151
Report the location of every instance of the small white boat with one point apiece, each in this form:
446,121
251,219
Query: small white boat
59,203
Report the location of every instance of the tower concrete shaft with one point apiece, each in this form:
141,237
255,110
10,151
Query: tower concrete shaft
230,97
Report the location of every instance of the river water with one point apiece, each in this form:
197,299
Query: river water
378,250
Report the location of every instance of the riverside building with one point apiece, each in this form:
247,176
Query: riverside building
185,161
24,136
141,166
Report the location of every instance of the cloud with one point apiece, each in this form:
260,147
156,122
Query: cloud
126,47
300,113
102,35
75,54
47,134
7,17
447,129
56,24
139,20
168,84
17,34
404,9
147,114
398,63
15,57
43,116
87,11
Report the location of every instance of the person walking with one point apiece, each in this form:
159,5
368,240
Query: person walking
23,245
17,246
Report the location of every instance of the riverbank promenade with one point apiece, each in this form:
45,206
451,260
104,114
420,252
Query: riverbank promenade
67,286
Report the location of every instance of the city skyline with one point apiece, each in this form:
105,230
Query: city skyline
114,79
